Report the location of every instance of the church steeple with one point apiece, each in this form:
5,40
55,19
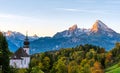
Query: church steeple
26,42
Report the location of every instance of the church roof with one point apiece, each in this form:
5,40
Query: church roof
19,53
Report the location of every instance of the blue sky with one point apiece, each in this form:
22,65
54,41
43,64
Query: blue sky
46,17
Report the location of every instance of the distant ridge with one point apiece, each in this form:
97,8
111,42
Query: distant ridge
100,35
15,39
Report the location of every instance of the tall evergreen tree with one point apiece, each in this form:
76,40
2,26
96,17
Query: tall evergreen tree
4,54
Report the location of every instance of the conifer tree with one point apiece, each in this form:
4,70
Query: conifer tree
4,54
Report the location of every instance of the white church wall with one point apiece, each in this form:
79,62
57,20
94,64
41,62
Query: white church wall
26,61
16,63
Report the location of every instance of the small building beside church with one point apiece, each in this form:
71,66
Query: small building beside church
21,58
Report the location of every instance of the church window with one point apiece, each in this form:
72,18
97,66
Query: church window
21,62
25,62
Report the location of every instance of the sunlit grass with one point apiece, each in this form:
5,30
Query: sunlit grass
113,69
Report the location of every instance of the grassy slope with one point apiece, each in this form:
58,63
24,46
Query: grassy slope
113,69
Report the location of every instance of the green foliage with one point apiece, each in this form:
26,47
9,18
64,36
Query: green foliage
116,52
45,64
16,70
60,66
36,70
4,54
70,60
81,59
86,68
21,71
73,67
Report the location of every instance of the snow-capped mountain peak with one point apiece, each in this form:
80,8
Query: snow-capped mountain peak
15,39
74,27
99,26
100,34
8,33
35,35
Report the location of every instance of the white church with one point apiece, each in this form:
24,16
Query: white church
21,58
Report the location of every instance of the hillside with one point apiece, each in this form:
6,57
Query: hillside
113,69
80,59
84,58
70,60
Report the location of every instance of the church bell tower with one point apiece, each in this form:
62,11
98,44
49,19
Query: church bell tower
26,45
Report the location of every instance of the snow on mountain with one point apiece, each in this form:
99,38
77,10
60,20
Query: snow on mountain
100,35
14,34
72,31
100,26
34,37
73,28
11,34
15,39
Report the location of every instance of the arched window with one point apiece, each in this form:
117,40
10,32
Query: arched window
21,62
24,61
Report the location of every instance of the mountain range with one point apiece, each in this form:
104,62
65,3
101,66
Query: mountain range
15,39
99,35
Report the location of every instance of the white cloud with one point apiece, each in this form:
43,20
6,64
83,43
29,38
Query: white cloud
10,16
87,11
67,9
79,10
